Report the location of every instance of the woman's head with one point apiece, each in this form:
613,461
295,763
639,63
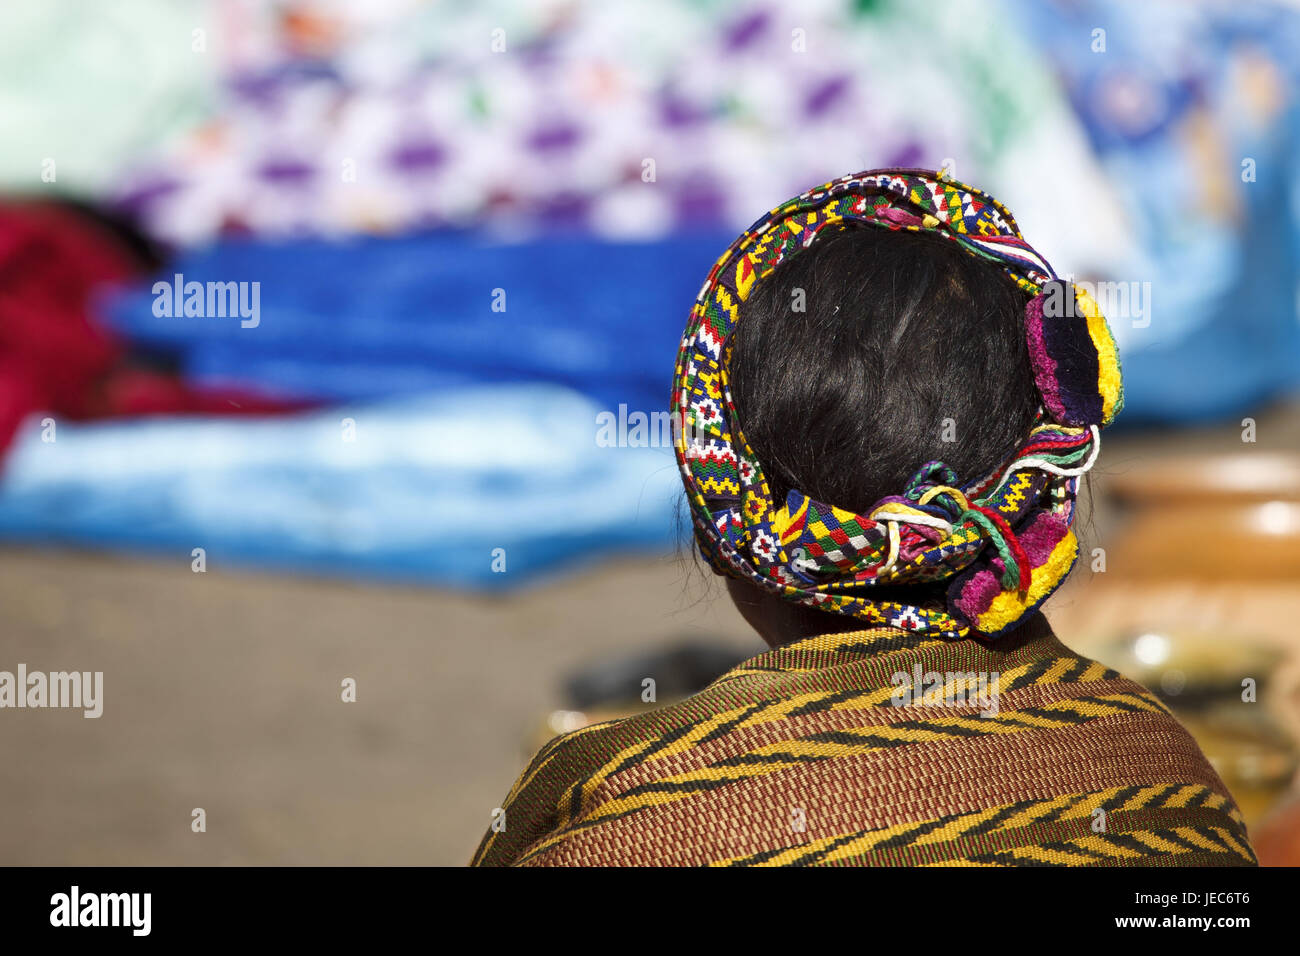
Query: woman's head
888,401
856,362
872,352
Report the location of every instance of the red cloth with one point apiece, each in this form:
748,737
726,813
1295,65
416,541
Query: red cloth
54,356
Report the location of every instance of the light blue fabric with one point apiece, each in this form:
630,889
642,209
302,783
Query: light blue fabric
1176,102
426,491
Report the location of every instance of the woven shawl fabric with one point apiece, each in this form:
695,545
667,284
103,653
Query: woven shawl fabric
802,756
1002,541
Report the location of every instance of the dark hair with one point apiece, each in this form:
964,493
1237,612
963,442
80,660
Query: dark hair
847,398
899,331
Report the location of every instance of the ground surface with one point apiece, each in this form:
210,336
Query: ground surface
222,691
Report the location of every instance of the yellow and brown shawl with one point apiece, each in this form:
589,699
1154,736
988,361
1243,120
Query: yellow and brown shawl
873,748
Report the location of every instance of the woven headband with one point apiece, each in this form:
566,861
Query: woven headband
1002,540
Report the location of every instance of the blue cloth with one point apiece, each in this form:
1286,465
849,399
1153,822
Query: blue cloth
427,491
371,318
1175,105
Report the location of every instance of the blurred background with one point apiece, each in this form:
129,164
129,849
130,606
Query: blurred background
335,341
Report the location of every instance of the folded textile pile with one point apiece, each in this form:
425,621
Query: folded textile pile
482,488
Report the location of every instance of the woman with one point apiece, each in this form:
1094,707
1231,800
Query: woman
887,401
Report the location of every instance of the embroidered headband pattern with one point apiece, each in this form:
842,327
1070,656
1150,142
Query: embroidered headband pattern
1002,540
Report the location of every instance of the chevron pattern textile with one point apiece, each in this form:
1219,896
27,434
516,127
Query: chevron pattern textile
882,748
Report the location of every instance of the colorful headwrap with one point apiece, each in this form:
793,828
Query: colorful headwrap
1002,540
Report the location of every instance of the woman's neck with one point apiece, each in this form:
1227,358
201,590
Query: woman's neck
779,622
